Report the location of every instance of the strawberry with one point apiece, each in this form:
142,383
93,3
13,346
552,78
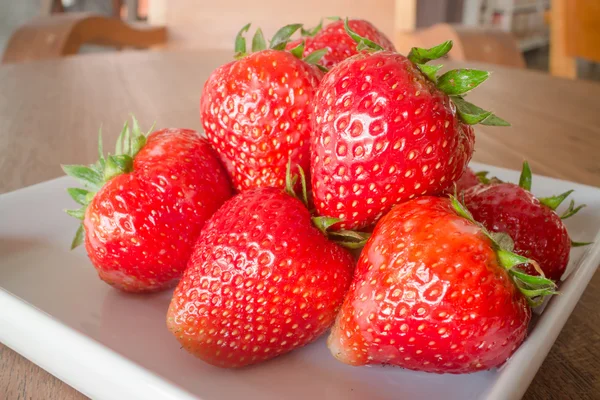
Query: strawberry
146,205
432,293
256,111
467,180
536,229
386,129
262,281
338,43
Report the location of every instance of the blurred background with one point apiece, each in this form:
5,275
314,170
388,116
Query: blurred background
557,36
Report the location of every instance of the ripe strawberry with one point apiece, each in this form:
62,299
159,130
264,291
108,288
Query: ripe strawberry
256,111
536,229
385,131
146,206
467,180
261,282
338,43
431,294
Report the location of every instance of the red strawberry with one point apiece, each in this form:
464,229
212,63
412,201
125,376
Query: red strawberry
430,294
146,206
467,180
384,133
261,282
256,113
338,43
536,229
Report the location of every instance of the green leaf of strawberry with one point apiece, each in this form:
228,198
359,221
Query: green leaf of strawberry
240,42
315,56
554,201
79,195
461,81
430,71
525,178
313,31
298,51
283,35
468,112
362,42
420,55
85,175
258,41
572,210
580,244
78,238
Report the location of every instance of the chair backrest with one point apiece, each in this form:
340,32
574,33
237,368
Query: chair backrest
574,32
214,24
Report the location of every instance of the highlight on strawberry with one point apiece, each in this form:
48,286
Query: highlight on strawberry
387,128
142,208
256,110
536,230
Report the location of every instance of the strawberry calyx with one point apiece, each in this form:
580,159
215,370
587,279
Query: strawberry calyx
278,42
94,176
482,177
552,202
344,237
347,238
312,32
534,288
580,244
455,83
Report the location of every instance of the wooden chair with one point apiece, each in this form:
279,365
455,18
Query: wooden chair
63,34
470,44
574,32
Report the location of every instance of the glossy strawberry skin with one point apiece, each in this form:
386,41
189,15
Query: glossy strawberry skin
141,226
537,231
383,134
261,282
428,295
256,114
339,44
467,180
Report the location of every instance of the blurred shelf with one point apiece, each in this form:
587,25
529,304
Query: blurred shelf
534,42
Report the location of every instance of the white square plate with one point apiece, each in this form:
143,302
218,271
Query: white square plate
56,312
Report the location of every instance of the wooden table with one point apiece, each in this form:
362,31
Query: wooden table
50,113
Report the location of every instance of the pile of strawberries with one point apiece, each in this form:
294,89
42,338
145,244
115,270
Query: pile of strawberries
316,145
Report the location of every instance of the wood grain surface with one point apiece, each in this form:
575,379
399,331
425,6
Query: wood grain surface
50,113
